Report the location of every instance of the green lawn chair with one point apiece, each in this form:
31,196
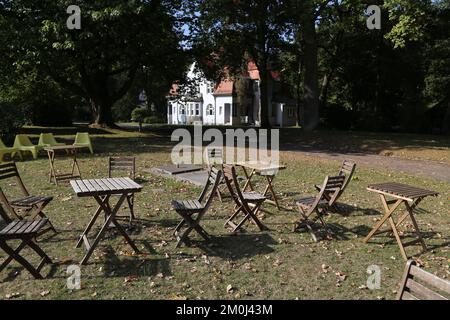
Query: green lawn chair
48,140
24,144
82,139
4,150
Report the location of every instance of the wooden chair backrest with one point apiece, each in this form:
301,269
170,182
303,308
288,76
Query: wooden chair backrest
124,164
232,182
210,188
7,171
347,169
418,284
332,186
214,156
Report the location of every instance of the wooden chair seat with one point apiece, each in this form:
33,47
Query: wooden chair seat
253,197
29,201
247,205
192,211
187,205
28,206
26,231
17,229
314,209
309,201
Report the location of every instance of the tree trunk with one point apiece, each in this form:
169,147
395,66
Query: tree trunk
264,86
102,111
310,119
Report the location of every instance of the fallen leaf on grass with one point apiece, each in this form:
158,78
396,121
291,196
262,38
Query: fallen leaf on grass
130,279
230,289
12,295
44,293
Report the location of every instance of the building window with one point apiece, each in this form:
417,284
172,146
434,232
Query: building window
209,110
197,109
209,87
182,110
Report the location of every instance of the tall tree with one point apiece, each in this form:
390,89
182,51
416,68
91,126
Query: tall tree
232,32
100,61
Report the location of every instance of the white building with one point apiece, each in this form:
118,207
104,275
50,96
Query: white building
226,103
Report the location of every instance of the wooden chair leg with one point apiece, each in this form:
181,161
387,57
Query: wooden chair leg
16,256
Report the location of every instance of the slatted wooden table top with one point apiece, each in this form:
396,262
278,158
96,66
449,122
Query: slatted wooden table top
107,186
261,166
401,191
66,147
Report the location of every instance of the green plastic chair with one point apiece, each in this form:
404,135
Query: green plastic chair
24,144
4,150
48,140
82,139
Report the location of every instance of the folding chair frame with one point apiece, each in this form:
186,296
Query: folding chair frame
124,164
347,169
247,207
329,191
9,170
205,200
27,240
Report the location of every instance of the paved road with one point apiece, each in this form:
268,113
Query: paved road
430,169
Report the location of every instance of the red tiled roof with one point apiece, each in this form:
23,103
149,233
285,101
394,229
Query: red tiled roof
253,72
225,87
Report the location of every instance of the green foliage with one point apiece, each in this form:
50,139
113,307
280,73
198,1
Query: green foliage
154,120
99,62
140,113
13,116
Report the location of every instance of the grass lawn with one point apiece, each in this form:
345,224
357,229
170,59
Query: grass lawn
277,264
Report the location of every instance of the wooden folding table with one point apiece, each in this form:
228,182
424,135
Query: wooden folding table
267,170
101,190
71,151
400,193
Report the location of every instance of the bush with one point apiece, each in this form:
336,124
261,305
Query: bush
13,117
139,114
153,120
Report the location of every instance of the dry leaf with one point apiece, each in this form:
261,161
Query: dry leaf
44,293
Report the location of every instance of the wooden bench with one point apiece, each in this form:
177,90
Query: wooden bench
418,284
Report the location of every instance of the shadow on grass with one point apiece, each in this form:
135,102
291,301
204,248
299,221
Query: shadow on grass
238,246
119,267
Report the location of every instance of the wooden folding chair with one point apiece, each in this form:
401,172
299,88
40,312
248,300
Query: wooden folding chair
214,157
26,231
29,206
128,165
247,203
418,284
188,208
347,170
319,205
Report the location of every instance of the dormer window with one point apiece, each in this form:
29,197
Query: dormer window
209,87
